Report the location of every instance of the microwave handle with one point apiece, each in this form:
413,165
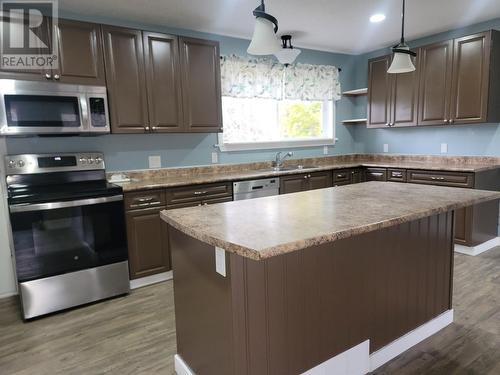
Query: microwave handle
84,113
31,207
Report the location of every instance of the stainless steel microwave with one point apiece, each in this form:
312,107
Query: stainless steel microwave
37,108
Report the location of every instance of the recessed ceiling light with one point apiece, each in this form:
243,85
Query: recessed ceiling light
379,17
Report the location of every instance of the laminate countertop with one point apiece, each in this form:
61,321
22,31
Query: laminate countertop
265,227
196,175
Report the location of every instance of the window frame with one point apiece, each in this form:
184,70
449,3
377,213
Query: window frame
297,143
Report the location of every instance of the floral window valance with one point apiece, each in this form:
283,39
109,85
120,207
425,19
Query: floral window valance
266,78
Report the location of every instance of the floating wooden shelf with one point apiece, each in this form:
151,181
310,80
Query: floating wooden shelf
354,121
357,92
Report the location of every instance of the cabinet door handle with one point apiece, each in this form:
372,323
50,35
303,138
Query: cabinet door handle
450,121
48,75
305,176
145,199
342,175
56,77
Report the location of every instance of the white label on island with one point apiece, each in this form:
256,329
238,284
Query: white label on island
220,261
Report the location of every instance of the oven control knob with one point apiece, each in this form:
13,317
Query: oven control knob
90,160
12,164
20,163
98,160
82,160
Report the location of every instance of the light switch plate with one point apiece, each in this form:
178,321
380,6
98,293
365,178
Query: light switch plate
386,147
215,157
220,261
155,161
325,150
444,148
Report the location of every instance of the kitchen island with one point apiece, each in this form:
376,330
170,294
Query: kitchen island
328,281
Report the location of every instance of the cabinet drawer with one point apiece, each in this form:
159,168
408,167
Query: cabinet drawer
198,193
376,174
396,175
144,199
342,175
200,202
453,179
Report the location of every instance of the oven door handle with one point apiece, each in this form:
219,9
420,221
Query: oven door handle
30,207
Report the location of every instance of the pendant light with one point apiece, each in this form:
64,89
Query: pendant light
287,54
402,55
264,39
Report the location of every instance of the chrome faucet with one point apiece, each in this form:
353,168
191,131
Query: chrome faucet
278,161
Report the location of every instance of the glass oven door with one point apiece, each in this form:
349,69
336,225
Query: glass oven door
60,237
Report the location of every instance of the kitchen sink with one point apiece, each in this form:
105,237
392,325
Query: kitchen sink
289,168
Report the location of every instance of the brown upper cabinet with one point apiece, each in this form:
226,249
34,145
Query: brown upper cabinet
161,83
201,86
80,55
161,55
392,98
456,82
435,83
125,77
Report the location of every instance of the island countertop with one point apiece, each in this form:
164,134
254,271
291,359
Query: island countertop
266,227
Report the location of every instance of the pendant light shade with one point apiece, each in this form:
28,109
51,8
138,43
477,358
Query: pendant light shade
402,55
287,54
264,39
401,61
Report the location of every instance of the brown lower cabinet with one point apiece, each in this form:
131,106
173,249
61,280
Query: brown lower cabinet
148,244
305,181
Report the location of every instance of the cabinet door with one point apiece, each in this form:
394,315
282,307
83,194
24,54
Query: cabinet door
404,99
201,91
435,67
28,74
81,58
293,184
161,55
463,225
470,83
357,176
379,92
147,243
319,180
125,79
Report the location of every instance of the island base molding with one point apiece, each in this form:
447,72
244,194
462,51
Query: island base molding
292,312
478,249
358,360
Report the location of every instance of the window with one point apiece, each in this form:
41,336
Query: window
266,105
253,123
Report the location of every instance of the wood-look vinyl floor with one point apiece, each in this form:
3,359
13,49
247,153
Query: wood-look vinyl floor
136,334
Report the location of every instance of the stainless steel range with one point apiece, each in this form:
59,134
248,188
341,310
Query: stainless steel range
68,229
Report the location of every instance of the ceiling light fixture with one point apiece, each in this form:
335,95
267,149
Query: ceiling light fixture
379,17
287,54
402,55
264,39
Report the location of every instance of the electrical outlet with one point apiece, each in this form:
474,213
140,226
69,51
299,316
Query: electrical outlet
215,157
325,150
386,147
444,148
155,161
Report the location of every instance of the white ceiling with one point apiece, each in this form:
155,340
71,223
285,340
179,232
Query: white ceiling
330,25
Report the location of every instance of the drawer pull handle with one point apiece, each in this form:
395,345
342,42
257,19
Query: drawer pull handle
145,199
397,174
437,178
200,192
342,175
376,174
146,204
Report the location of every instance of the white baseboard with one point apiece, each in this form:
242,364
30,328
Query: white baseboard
7,295
354,361
357,360
150,280
478,249
412,338
181,368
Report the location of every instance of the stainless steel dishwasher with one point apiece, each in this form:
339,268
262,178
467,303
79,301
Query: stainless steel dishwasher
256,188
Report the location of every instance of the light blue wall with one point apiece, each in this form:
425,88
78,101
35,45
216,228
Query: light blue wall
482,139
124,152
